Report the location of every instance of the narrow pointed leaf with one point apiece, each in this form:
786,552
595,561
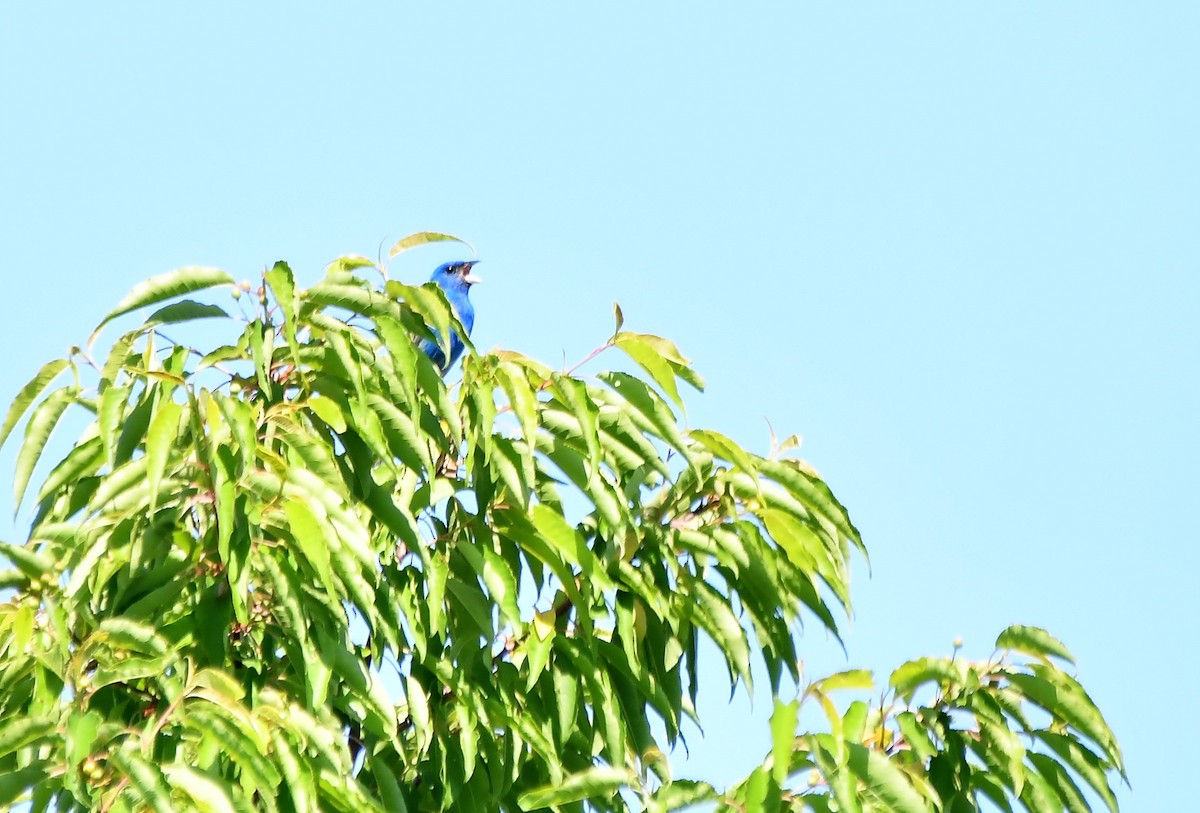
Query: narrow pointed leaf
186,311
883,781
1033,641
783,737
421,238
166,286
29,394
161,438
37,432
595,783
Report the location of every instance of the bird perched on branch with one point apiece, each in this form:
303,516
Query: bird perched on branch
456,280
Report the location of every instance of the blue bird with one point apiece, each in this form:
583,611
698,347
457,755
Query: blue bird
455,279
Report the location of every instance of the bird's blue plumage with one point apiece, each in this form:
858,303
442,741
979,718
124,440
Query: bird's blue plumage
455,279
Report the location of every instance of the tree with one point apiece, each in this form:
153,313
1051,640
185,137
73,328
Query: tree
299,571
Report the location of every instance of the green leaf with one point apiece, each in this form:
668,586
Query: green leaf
328,410
1039,797
1087,764
883,781
598,783
298,773
553,529
16,734
208,795
651,361
574,395
353,298
807,551
909,677
421,238
349,263
1062,696
32,563
683,793
783,738
346,795
131,635
238,740
647,403
165,286
467,598
147,779
84,460
16,782
81,735
161,438
723,447
283,286
860,679
1033,641
418,709
752,794
37,432
715,615
435,586
1057,777
403,436
185,311
854,721
501,583
389,788
29,394
916,735
1003,749
815,495
128,671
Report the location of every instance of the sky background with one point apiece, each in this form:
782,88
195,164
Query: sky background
953,245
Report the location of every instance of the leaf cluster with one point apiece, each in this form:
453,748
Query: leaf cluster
293,569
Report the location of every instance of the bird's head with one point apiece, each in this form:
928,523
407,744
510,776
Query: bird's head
456,277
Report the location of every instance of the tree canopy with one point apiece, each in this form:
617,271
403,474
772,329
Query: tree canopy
287,566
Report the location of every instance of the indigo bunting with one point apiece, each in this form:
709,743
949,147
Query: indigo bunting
455,280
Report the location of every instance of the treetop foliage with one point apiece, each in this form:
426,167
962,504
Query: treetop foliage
295,569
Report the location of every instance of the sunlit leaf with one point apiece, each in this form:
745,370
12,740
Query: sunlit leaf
883,781
421,238
652,362
185,311
594,783
146,779
16,734
909,677
1087,764
715,615
208,795
1033,641
1062,696
37,432
165,286
783,735
29,394
161,438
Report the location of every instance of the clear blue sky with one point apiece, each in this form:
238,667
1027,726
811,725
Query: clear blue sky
954,245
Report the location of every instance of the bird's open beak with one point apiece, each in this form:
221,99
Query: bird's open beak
470,278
